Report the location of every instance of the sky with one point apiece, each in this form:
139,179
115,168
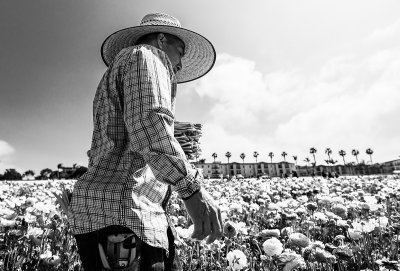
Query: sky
289,75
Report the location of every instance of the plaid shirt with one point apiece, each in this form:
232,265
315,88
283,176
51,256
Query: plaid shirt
134,158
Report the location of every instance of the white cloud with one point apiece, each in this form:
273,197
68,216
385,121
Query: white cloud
353,101
387,34
6,150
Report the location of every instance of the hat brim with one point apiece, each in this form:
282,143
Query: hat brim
199,57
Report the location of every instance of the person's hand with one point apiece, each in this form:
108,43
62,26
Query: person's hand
206,216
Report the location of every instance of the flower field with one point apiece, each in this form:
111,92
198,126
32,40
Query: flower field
346,223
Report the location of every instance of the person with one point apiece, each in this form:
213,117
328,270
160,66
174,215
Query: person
134,161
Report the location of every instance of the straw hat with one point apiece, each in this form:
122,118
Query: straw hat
199,55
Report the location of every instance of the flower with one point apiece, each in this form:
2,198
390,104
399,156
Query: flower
331,215
340,210
174,220
230,229
30,218
342,223
236,207
302,199
272,247
321,217
297,262
354,234
312,206
286,257
363,226
299,239
175,207
319,244
181,220
254,207
344,253
287,231
185,233
270,233
7,223
36,235
273,206
237,260
324,256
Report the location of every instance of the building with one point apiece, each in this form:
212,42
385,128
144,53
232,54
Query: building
218,169
348,169
391,166
247,170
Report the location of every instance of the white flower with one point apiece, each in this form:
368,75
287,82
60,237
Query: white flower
46,254
341,223
175,207
370,199
273,206
216,194
331,215
354,234
174,220
236,207
364,226
254,207
383,221
30,218
35,231
320,216
185,233
6,212
272,247
224,208
7,223
237,260
302,199
241,228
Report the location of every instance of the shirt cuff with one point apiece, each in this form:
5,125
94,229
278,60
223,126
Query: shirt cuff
189,185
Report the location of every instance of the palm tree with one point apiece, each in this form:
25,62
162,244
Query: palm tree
255,154
214,155
328,152
313,151
343,153
271,154
327,161
242,156
284,154
369,151
355,153
228,155
59,167
295,159
307,160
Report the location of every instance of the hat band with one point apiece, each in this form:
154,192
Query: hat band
159,22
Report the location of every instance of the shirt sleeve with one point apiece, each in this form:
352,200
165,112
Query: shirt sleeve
146,83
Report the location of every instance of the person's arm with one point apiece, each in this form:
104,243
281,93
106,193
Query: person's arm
149,120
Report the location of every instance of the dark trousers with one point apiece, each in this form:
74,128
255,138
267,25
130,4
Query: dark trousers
151,258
